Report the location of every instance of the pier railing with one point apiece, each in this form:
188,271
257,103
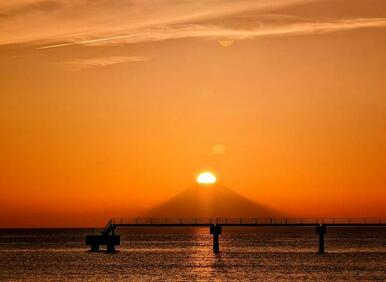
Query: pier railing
246,221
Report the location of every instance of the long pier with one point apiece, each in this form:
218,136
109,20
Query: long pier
109,239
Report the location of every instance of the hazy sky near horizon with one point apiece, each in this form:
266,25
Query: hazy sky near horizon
110,107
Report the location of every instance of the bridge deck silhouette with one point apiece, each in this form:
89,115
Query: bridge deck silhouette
110,239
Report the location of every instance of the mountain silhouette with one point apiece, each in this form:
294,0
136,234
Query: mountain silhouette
210,201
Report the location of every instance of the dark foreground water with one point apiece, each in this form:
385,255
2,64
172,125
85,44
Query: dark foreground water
268,254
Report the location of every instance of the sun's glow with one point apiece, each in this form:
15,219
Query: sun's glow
206,178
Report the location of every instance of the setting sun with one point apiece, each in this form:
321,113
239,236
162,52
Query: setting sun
206,178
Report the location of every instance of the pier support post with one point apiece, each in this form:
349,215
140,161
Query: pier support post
94,248
110,247
110,241
321,231
216,230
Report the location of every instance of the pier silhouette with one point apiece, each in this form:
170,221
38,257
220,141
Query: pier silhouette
110,239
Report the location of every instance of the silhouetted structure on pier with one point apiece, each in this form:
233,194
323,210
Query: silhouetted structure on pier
110,239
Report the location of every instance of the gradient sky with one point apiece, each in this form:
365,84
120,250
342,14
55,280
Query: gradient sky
110,107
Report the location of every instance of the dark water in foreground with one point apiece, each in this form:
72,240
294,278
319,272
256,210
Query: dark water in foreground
269,254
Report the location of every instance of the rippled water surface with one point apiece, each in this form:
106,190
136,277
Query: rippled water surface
270,254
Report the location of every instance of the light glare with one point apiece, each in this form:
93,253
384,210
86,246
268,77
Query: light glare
206,178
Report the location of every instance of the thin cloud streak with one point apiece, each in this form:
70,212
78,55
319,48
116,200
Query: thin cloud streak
59,23
81,20
218,33
82,64
33,7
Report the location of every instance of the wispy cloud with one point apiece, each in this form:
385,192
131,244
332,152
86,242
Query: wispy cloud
82,20
82,64
59,23
10,11
222,33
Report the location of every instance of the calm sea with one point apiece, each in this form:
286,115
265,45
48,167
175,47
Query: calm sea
185,254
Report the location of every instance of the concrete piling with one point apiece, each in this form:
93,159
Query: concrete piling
216,230
321,230
95,241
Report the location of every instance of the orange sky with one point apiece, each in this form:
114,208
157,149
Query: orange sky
110,107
